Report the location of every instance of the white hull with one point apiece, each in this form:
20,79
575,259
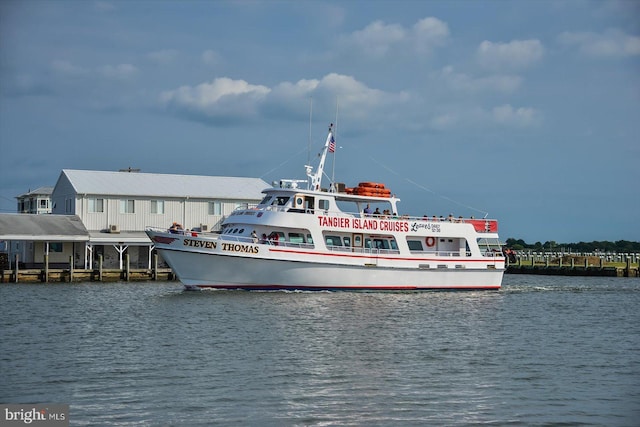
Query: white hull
222,271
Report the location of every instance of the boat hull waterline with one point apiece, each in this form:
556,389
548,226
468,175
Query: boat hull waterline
233,271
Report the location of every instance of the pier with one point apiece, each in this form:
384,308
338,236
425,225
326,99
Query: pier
554,264
70,274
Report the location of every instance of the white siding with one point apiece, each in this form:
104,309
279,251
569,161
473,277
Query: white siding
188,211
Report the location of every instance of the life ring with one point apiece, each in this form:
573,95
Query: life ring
430,241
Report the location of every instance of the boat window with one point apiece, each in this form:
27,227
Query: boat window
347,241
281,200
333,240
323,204
381,244
415,245
309,239
235,230
241,231
265,201
296,237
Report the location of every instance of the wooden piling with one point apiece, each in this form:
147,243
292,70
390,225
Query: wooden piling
16,269
45,277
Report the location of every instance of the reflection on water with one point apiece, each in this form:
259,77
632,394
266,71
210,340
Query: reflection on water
542,350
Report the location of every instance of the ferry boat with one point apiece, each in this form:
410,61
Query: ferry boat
331,239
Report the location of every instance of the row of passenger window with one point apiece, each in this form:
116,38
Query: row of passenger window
369,243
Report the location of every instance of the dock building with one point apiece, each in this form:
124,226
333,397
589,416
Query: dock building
115,208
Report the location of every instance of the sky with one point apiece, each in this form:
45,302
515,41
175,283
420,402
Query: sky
524,111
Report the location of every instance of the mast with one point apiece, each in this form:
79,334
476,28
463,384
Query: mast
333,163
316,178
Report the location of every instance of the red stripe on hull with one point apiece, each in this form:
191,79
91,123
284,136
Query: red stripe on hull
346,288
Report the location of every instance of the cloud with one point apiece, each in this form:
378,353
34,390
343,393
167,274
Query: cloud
67,68
118,72
429,33
516,54
225,100
222,100
111,72
612,43
378,39
507,115
210,57
463,118
164,56
464,83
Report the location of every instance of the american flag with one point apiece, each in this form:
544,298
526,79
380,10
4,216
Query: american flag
332,145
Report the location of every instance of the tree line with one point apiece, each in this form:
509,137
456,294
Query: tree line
620,246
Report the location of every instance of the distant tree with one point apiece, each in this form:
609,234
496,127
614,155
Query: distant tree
620,246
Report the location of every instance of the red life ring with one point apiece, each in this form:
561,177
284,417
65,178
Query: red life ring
430,241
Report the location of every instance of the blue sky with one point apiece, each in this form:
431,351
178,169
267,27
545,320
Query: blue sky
527,110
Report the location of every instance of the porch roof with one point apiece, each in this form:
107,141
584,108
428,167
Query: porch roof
42,228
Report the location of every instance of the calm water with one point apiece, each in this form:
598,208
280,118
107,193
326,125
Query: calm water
542,351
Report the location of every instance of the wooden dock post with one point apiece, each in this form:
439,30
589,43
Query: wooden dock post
100,267
70,268
127,267
16,269
155,267
45,278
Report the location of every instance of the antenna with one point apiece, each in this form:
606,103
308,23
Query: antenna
309,145
333,167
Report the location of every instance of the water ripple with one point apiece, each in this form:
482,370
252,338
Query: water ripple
542,351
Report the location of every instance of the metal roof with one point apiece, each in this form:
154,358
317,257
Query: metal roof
46,228
126,237
167,185
41,191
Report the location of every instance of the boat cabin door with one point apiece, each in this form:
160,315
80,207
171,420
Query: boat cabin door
356,242
302,203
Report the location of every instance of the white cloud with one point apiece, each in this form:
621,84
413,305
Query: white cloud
516,54
113,72
211,93
223,98
118,72
506,114
464,83
210,57
612,43
428,33
67,68
465,118
444,121
226,99
379,39
165,56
